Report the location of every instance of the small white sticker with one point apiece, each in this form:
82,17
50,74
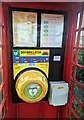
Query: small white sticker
57,58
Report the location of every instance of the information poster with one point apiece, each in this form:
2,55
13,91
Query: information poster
52,26
24,29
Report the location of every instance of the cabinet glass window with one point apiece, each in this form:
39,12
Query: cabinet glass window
24,29
82,38
52,26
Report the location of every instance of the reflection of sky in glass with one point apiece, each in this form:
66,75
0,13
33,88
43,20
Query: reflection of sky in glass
76,38
78,20
83,20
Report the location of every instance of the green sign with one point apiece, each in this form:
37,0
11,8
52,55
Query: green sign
32,91
16,53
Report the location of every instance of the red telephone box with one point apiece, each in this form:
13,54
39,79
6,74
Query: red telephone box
70,69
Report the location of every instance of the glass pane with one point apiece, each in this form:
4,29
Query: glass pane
73,70
83,20
3,112
74,55
1,115
78,19
79,93
70,85
1,96
0,76
82,38
0,35
52,26
76,107
76,38
24,29
72,117
0,55
80,75
81,57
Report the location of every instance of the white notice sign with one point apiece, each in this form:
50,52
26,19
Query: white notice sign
52,30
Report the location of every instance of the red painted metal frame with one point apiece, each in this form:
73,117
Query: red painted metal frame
3,84
78,65
75,66
41,108
74,113
78,83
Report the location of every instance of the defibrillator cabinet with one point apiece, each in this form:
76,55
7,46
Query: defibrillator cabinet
37,50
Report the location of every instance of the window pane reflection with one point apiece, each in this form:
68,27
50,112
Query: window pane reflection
80,75
82,38
74,55
3,112
72,117
78,19
1,96
76,38
83,20
76,107
81,57
79,93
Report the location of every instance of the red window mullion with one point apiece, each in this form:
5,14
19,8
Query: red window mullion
75,64
78,83
80,48
80,29
78,65
76,56
74,113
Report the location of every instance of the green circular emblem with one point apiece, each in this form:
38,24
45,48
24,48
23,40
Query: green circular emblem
32,90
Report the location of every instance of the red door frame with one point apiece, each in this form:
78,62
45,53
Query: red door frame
49,112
